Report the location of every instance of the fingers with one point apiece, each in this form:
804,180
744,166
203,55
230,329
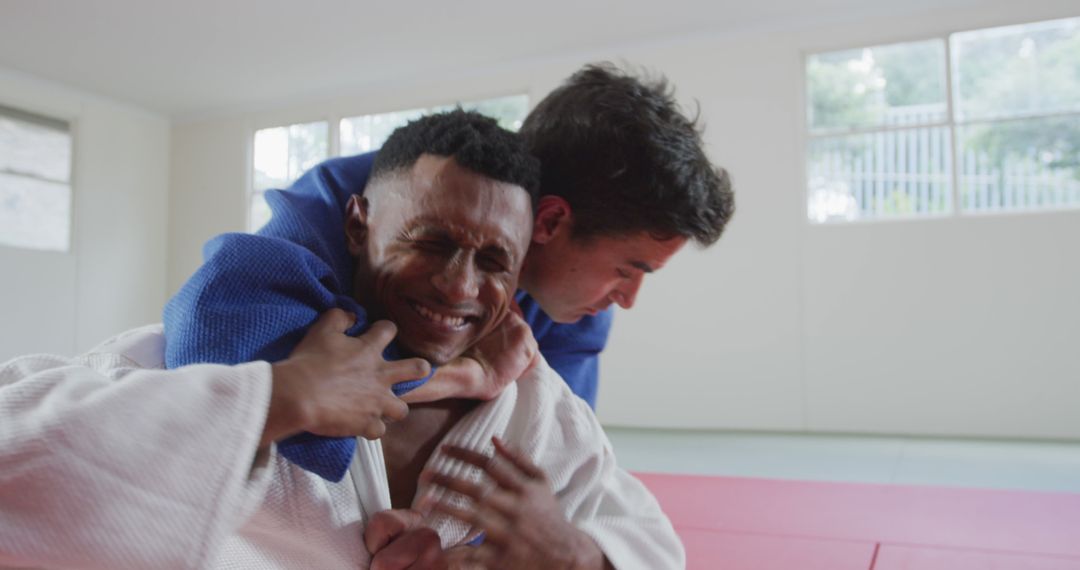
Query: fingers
407,369
515,308
418,548
391,409
480,557
470,557
431,553
373,430
474,491
394,409
517,459
481,495
379,334
387,525
501,472
494,524
522,338
335,321
483,556
520,333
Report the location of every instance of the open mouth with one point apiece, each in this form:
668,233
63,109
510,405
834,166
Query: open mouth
446,321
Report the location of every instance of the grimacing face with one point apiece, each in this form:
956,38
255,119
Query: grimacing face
438,250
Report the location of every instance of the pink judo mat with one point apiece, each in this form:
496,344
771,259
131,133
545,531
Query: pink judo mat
730,523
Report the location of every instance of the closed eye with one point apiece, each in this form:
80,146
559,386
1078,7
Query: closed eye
493,263
432,246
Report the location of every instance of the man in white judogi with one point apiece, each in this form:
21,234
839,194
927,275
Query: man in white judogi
105,464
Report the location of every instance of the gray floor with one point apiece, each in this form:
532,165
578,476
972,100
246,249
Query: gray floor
1037,466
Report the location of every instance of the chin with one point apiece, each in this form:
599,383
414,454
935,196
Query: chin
436,355
567,318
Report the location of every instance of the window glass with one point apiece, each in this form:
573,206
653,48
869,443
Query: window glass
281,155
1017,70
368,132
1017,100
900,84
35,181
1027,164
882,143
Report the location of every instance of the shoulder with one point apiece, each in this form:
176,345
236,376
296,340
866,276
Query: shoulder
139,348
143,346
546,408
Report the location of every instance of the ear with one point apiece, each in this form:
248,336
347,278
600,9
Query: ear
356,224
553,216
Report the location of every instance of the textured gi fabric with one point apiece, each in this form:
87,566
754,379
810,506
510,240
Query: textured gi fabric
152,469
107,461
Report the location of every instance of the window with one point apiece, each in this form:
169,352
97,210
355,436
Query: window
282,154
35,181
981,121
368,132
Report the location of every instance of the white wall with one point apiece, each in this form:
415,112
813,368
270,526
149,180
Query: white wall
950,327
113,277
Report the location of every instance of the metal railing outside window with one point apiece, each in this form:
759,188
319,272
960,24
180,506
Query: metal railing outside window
978,122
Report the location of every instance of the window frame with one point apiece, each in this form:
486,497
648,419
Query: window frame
251,192
51,117
806,136
333,131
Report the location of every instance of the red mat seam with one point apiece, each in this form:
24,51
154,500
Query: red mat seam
775,535
1057,555
873,559
882,484
879,544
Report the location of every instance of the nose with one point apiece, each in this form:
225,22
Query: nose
458,280
626,293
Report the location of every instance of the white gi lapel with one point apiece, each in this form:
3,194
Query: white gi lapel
368,473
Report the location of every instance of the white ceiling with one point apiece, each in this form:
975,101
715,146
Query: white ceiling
186,57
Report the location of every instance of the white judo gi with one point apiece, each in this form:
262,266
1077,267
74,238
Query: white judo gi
109,461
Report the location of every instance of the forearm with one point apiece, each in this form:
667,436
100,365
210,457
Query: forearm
101,467
286,415
459,378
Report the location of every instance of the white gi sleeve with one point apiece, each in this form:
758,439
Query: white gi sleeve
108,461
599,497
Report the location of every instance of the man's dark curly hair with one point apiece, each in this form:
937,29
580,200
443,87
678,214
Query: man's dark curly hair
620,152
476,142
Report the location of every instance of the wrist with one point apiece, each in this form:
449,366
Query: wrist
466,374
588,555
287,413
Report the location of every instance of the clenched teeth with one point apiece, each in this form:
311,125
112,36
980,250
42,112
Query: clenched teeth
438,318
